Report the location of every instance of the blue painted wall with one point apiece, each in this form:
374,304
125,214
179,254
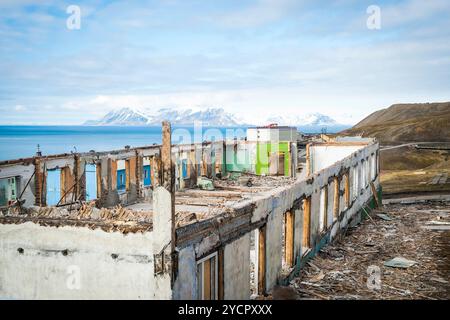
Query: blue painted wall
147,176
91,181
53,187
184,168
121,180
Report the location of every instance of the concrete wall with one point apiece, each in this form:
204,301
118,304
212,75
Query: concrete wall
237,269
25,172
185,287
38,262
274,242
131,273
272,205
322,156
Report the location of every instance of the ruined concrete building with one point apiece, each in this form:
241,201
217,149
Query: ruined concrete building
215,220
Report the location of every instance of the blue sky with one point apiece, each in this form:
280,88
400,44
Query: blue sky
253,58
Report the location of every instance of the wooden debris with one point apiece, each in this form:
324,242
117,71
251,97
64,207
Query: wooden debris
340,270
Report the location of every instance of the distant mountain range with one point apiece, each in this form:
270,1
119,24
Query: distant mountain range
414,122
131,117
315,122
309,123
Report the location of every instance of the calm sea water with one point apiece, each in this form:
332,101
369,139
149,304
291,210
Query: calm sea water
21,141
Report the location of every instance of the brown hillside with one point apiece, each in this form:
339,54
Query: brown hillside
419,122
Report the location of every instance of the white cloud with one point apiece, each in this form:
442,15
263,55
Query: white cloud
338,69
264,11
412,11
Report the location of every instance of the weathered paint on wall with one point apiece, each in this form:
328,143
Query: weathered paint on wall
274,246
298,227
74,263
269,205
162,238
263,151
24,172
185,287
240,157
237,269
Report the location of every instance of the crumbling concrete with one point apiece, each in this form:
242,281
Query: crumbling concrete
193,228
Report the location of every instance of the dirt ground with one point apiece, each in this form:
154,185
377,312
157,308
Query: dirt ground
396,182
408,170
348,268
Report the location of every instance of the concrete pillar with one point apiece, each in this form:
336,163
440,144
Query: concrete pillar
165,260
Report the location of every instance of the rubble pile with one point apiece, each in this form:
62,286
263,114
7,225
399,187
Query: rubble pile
400,252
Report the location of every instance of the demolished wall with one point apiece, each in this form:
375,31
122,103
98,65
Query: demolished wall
219,243
74,263
267,209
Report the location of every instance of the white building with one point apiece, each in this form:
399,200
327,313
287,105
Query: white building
272,133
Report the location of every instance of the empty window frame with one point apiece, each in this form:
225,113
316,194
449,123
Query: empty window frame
289,255
254,267
373,165
362,167
347,190
257,262
367,175
323,208
91,181
306,239
355,185
377,161
336,198
121,176
261,247
207,278
363,174
8,191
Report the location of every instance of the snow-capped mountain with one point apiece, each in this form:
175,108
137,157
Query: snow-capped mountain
208,117
309,123
312,119
124,116
132,117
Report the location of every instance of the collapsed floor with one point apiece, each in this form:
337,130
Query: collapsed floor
191,206
417,232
